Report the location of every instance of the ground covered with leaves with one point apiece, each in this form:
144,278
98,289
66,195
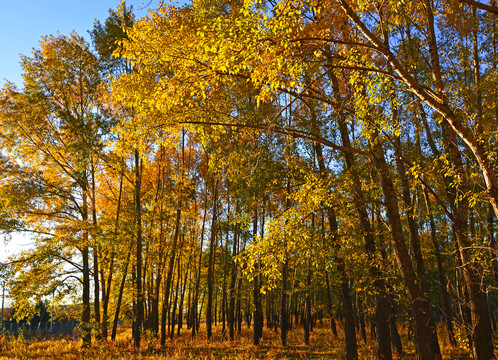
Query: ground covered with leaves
323,345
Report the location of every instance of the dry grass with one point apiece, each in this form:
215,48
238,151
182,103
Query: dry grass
323,345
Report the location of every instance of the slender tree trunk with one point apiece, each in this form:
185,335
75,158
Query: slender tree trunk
347,302
441,273
169,276
182,297
105,305
481,335
330,305
233,279
418,301
258,308
85,314
211,261
139,301
284,319
175,300
120,295
195,322
349,327
95,248
415,241
384,351
224,307
307,312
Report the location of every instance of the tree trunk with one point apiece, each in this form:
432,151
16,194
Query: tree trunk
195,322
418,302
175,299
307,311
169,276
284,327
105,305
258,308
182,297
139,301
233,279
384,351
85,314
211,264
95,248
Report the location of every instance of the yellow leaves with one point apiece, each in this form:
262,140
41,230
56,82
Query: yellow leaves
415,171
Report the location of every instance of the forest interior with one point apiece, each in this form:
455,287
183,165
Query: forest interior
257,179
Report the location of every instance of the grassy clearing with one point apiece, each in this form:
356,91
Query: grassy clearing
323,345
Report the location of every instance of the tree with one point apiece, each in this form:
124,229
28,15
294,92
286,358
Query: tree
53,126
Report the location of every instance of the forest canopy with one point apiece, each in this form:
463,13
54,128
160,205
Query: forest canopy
266,160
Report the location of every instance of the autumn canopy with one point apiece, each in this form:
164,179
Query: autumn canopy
281,162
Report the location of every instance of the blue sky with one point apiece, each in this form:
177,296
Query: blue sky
24,22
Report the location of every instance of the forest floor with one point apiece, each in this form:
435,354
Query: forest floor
323,345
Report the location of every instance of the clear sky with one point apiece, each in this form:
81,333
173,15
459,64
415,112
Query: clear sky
24,22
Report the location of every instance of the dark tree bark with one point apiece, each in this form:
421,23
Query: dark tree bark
233,278
224,302
95,248
175,300
85,314
169,276
481,335
258,308
106,297
347,302
182,297
384,351
415,240
448,313
418,302
195,321
307,312
139,301
120,294
284,318
211,264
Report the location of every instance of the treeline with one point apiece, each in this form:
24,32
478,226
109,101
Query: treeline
270,161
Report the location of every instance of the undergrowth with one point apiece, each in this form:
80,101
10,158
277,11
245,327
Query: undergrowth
323,345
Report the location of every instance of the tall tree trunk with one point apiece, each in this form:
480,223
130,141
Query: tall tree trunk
195,322
415,239
120,294
211,263
139,301
347,302
384,351
85,314
175,299
481,335
418,302
330,305
307,311
224,302
95,248
182,297
169,276
441,273
233,279
284,319
105,305
492,245
258,308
